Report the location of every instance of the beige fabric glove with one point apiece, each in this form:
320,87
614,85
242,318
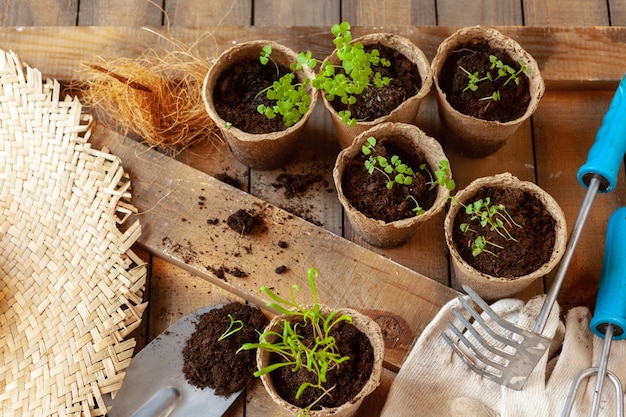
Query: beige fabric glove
580,350
433,377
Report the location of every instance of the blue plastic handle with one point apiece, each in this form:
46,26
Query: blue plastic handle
611,299
607,152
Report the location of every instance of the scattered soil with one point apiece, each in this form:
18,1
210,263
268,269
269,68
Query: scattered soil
535,239
228,179
237,97
216,364
474,57
377,102
294,184
348,377
244,222
369,194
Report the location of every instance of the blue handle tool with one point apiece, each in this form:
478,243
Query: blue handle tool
611,299
609,317
598,174
606,154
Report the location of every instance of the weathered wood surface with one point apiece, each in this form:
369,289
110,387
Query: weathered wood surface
569,58
547,150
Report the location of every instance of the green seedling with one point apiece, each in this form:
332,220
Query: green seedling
292,100
493,217
356,73
497,70
233,327
393,169
318,357
442,176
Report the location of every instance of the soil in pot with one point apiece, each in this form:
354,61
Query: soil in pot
375,102
348,378
534,239
369,194
514,98
237,97
216,364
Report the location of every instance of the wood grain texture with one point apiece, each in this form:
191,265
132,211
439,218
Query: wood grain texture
562,140
571,13
569,58
296,13
486,12
389,13
203,13
174,227
38,13
120,13
617,12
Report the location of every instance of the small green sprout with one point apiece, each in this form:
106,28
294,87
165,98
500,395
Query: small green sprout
357,72
442,177
501,70
228,125
417,209
292,100
320,356
393,169
233,327
493,217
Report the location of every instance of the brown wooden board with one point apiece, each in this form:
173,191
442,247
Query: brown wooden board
175,202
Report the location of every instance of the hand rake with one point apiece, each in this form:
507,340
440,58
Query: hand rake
506,353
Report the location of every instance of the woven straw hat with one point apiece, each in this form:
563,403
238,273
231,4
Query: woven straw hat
70,287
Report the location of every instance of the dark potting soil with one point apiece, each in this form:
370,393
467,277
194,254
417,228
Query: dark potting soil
348,378
377,102
216,364
514,98
244,222
535,239
237,97
368,192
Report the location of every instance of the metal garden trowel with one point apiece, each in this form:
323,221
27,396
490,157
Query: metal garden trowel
155,385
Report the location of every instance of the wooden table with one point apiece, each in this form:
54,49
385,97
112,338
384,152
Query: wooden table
582,56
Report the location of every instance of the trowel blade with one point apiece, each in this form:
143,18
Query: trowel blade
154,384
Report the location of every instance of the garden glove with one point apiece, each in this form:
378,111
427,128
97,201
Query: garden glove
580,350
433,376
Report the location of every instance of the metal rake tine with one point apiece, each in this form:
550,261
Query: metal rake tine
468,361
483,324
523,351
480,340
477,354
492,314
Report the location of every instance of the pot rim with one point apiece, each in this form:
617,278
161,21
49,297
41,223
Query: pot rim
507,180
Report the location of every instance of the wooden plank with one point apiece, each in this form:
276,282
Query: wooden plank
569,58
574,13
617,10
389,13
120,13
296,13
562,140
38,13
203,13
482,12
174,226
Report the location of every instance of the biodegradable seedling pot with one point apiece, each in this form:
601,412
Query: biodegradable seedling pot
377,232
489,286
257,151
473,136
405,112
366,326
